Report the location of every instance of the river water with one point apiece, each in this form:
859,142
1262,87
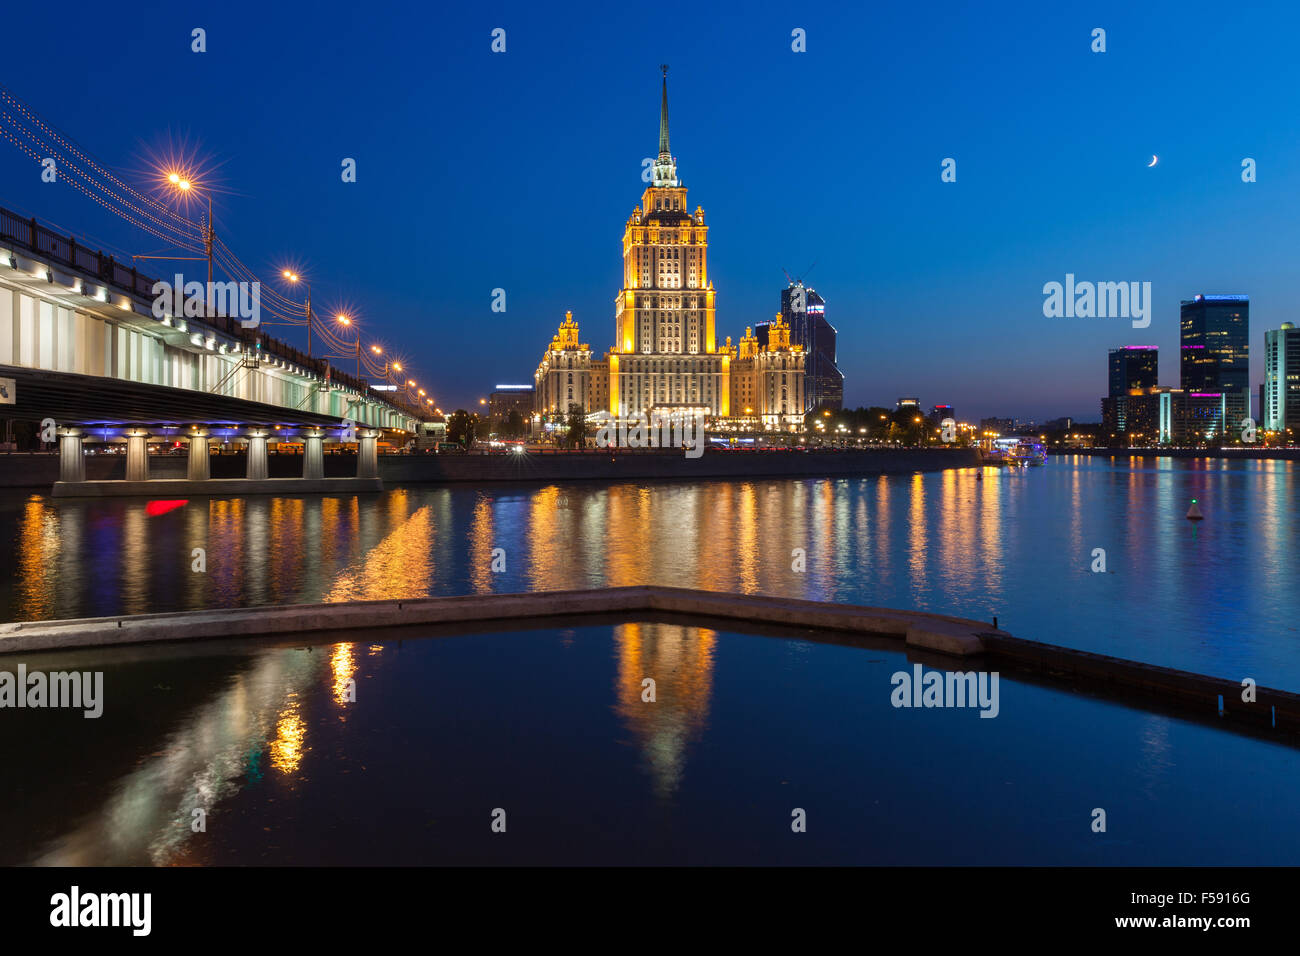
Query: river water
1218,597
407,747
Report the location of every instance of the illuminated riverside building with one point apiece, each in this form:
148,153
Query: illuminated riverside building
665,354
1161,414
1132,371
510,398
1133,367
804,311
564,376
767,380
1214,353
1280,394
666,360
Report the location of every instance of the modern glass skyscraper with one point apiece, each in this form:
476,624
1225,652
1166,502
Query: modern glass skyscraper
1281,392
805,312
1214,354
1133,367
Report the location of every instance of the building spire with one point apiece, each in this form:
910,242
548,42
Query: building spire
665,169
664,151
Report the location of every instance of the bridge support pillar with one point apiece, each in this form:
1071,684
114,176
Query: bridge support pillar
256,455
200,461
137,455
313,454
367,453
72,460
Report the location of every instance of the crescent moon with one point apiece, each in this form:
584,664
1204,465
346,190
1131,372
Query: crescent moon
1154,158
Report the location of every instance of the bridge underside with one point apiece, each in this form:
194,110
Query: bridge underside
88,400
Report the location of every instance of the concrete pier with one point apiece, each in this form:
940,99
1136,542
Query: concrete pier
313,454
72,458
948,642
368,453
257,464
199,467
137,455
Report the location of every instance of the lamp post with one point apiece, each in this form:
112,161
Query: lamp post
209,236
346,321
295,278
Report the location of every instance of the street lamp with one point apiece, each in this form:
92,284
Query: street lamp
184,185
346,321
295,278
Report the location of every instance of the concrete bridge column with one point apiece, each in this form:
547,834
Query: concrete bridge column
72,460
313,453
256,455
137,455
367,453
200,461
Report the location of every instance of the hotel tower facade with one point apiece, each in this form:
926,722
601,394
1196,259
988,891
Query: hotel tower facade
665,357
666,360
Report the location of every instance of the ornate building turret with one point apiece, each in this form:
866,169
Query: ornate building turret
778,334
748,345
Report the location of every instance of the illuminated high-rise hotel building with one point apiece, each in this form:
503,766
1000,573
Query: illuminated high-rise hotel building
666,362
665,357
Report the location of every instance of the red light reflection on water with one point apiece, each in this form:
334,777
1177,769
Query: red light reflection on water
162,507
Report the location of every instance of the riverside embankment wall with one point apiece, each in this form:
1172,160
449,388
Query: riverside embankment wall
615,465
40,471
1254,454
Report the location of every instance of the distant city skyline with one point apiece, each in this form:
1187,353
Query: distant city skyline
479,171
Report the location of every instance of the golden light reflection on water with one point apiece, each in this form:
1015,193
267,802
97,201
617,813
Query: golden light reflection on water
744,505
38,560
286,748
481,545
680,660
343,666
918,556
401,565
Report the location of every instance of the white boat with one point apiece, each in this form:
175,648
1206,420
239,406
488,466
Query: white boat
1017,451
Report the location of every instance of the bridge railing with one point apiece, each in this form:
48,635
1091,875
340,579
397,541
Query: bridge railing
30,234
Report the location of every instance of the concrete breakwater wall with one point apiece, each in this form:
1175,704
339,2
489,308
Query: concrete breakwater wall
942,641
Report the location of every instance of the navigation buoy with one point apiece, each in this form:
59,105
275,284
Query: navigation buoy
1194,512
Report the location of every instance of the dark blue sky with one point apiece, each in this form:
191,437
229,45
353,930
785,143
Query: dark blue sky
518,170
